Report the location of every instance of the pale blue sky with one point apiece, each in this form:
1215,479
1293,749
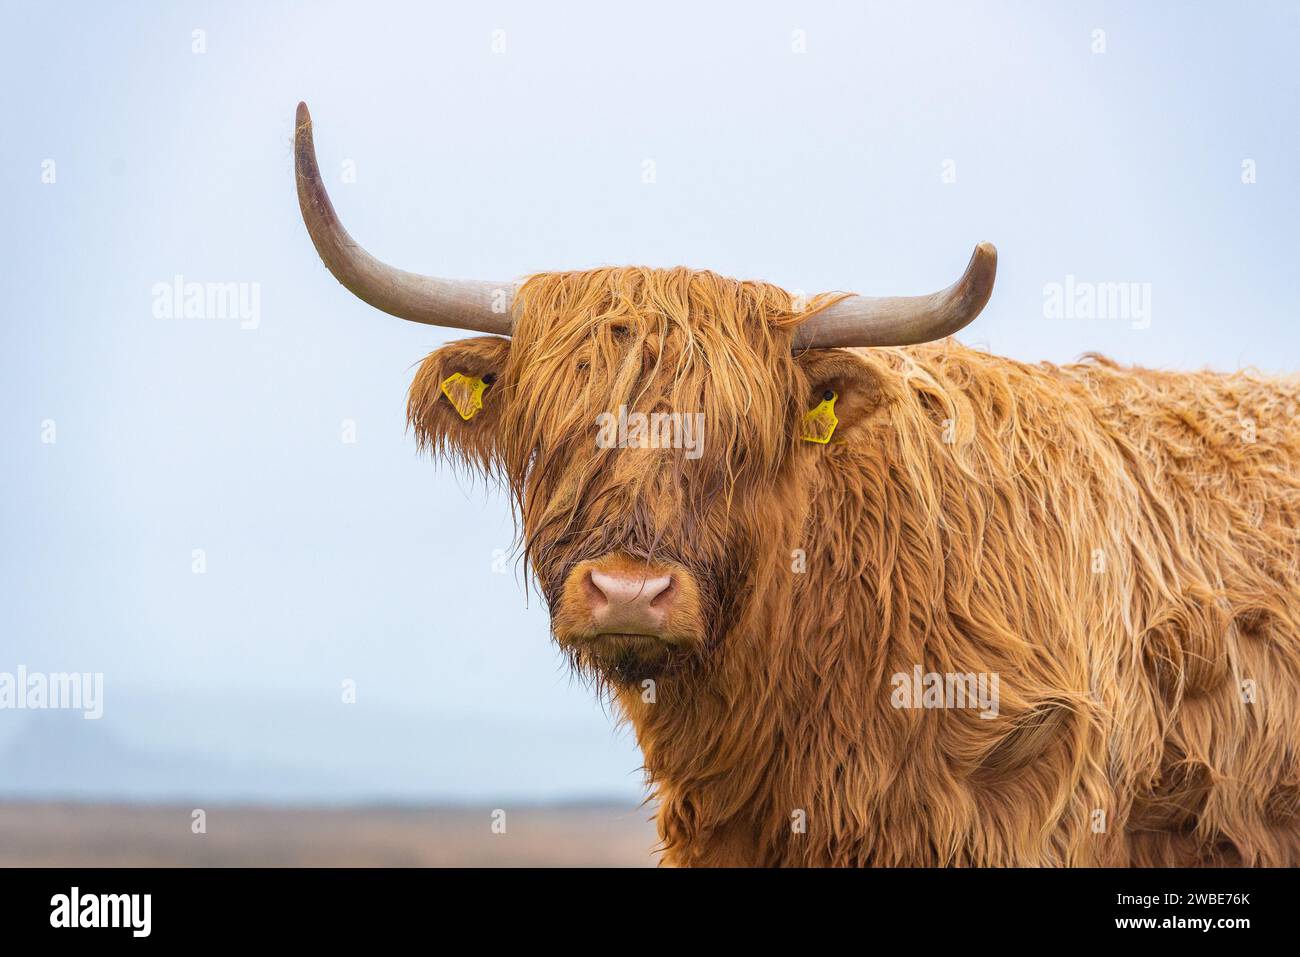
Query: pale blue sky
326,561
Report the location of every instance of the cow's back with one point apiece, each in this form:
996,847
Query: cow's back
1206,673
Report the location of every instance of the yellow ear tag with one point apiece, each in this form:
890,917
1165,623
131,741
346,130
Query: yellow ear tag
819,423
465,393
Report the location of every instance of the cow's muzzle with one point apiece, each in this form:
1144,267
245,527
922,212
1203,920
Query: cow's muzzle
627,617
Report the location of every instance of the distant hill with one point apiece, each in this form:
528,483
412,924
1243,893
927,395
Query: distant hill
110,835
60,754
263,749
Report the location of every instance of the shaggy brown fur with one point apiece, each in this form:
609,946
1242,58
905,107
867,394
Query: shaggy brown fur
1120,546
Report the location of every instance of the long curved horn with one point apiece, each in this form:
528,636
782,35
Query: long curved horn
456,303
903,320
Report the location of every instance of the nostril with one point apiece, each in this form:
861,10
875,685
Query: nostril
595,594
661,595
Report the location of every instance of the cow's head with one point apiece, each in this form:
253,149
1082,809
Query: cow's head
644,420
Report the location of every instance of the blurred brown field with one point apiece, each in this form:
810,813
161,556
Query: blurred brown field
138,835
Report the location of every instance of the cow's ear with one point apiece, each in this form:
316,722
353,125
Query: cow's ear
842,392
455,400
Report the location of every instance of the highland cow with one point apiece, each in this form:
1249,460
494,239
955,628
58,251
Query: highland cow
1117,551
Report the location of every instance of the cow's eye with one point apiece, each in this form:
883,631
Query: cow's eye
621,333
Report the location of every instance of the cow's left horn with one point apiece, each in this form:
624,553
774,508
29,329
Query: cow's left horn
903,320
456,303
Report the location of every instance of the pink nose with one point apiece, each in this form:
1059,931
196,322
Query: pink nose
629,604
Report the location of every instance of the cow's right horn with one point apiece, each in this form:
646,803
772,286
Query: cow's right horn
455,303
903,320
